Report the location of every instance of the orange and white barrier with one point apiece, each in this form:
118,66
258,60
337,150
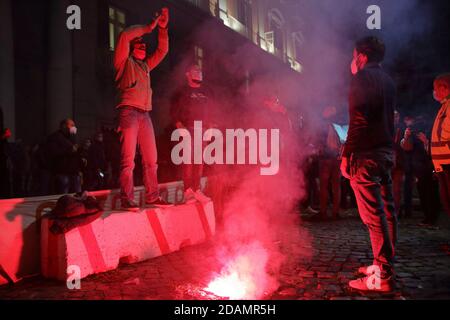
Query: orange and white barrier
127,237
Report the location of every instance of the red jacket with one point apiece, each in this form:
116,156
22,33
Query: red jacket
132,75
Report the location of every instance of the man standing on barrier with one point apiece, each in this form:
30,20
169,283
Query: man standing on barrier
133,66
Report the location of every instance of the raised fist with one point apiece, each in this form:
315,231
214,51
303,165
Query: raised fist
163,20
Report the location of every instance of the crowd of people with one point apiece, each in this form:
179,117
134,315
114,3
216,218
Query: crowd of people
413,174
59,164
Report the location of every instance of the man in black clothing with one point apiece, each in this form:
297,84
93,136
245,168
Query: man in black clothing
368,158
65,157
191,103
416,146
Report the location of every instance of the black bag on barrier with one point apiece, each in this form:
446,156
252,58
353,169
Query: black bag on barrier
74,211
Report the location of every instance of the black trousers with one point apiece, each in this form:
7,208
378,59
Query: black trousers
428,189
330,178
444,188
372,183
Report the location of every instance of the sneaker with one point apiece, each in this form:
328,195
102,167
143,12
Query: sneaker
160,202
200,196
189,196
372,283
129,205
365,270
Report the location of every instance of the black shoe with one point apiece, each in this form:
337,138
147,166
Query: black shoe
129,205
161,203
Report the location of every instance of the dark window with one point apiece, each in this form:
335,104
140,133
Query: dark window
244,12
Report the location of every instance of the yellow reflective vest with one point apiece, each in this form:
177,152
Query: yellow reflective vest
440,137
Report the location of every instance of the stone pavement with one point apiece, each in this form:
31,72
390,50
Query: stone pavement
337,247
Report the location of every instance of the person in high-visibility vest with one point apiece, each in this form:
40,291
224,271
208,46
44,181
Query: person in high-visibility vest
440,138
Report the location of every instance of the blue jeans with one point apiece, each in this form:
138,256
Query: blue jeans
137,130
372,183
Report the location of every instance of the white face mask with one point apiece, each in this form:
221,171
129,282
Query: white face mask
197,75
73,130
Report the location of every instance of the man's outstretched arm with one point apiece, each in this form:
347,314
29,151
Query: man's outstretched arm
122,51
163,41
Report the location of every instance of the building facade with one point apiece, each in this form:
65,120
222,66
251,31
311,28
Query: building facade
50,73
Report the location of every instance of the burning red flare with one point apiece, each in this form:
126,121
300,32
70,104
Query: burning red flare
245,276
229,286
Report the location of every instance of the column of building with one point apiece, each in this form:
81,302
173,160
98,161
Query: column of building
7,92
60,67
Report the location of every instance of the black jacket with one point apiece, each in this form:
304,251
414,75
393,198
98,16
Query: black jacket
63,159
371,104
191,104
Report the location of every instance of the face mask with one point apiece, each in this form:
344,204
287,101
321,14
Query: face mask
139,54
197,76
73,130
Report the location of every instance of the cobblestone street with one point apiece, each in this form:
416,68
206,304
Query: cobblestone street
338,249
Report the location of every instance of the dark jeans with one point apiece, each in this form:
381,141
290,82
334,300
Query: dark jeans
330,177
372,183
45,183
310,169
68,183
429,196
397,179
444,188
137,130
346,193
409,186
192,173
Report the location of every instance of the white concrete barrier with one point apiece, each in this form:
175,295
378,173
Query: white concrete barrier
124,237
20,227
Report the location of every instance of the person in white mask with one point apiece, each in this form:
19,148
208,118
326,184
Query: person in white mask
193,101
65,159
368,159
